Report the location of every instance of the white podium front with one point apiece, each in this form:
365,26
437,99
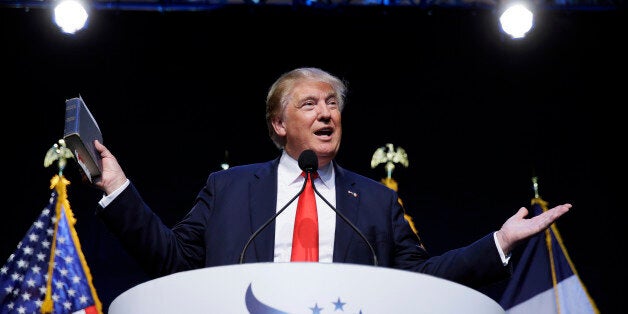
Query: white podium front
308,288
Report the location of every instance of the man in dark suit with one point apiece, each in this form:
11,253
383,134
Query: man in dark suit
303,112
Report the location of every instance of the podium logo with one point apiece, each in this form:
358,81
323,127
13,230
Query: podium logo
255,306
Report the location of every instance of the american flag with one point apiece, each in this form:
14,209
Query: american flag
33,282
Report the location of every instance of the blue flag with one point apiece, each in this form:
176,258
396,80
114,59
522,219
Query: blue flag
545,280
47,273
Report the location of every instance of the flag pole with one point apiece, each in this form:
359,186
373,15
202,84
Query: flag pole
535,186
389,155
59,184
60,153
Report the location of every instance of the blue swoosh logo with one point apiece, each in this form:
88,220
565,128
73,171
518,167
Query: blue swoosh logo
255,306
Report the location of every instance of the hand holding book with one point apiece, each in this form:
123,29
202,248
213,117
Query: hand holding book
112,176
80,132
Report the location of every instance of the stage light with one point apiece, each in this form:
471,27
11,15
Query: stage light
516,20
70,15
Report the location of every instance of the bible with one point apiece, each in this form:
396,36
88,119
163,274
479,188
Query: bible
79,134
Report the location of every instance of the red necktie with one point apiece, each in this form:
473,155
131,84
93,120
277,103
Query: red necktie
305,236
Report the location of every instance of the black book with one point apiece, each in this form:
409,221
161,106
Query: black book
79,134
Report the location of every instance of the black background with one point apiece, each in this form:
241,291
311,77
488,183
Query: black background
479,115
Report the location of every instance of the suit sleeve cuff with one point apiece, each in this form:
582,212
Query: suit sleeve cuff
107,199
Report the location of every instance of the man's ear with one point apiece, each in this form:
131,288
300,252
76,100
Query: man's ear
279,126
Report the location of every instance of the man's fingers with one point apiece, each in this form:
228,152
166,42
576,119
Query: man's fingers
522,212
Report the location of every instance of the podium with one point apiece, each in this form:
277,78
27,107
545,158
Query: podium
308,288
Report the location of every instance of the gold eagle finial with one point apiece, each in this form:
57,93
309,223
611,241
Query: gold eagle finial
390,156
60,153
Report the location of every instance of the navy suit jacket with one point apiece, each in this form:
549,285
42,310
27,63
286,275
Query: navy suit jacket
235,202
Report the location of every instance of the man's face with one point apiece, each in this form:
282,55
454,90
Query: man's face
311,120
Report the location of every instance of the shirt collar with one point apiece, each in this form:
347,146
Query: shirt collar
290,169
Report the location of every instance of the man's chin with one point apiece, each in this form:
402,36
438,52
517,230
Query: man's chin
326,152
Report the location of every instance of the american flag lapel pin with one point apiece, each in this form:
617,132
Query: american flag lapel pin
354,194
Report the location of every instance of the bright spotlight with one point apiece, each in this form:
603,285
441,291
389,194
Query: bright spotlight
70,16
516,20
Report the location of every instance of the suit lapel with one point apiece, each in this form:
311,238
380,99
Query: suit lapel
263,206
347,201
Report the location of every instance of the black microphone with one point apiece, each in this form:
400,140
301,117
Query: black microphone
308,162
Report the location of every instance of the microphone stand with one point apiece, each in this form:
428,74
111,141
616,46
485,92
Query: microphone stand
349,223
260,229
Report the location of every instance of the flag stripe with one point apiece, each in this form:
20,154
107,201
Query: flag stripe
541,303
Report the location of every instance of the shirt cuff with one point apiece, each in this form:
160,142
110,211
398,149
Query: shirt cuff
107,199
505,259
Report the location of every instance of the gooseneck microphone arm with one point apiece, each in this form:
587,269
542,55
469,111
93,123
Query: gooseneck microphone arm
260,229
349,223
308,162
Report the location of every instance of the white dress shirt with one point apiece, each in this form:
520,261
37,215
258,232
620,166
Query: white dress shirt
289,183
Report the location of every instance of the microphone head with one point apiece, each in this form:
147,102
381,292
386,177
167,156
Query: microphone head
308,161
